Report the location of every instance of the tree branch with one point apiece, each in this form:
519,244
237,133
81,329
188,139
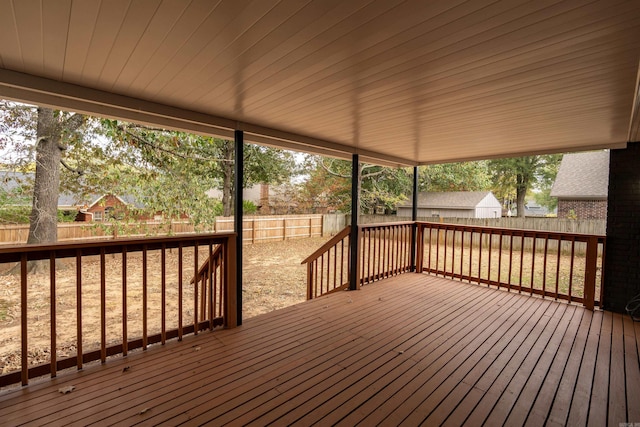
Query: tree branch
78,171
143,141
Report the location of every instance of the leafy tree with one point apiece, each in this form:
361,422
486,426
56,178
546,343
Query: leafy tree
55,133
177,163
165,171
462,176
329,183
517,176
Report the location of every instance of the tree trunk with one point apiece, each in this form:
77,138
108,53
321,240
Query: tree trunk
227,179
521,193
43,220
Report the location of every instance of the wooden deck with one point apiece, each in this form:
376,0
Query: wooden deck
409,350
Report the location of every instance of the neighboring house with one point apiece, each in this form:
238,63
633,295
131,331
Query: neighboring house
531,208
454,204
582,185
107,207
270,199
97,207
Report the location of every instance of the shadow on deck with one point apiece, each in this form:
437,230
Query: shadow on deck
406,350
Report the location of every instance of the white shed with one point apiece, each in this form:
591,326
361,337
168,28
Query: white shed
454,204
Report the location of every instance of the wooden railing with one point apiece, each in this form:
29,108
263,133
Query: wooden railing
328,267
384,252
562,266
118,295
558,265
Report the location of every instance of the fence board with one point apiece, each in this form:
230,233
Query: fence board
256,229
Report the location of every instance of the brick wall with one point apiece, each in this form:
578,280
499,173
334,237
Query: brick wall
582,209
622,262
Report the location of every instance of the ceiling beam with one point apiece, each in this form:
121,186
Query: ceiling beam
42,91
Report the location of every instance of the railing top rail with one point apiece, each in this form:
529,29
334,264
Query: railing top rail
385,224
70,248
513,231
335,239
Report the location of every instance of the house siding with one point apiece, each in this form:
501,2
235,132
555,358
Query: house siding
582,209
621,269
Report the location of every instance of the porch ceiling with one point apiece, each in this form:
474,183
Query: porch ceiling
401,82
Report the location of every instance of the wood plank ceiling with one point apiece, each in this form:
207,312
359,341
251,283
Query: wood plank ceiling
406,82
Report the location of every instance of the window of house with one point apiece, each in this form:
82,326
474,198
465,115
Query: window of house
97,216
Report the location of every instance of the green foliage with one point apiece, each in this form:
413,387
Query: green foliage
248,207
329,185
463,176
513,178
67,216
14,214
543,198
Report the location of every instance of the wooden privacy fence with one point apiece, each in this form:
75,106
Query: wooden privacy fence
255,229
272,228
558,265
107,293
384,252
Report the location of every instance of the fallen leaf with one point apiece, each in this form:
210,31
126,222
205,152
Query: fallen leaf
144,411
67,389
126,368
196,348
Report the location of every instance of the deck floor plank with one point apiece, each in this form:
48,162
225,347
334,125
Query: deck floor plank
433,371
563,397
357,333
413,349
482,377
494,408
617,392
599,402
632,369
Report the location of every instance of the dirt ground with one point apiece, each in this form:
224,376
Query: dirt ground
273,279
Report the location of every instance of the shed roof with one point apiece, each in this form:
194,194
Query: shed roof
450,200
396,81
583,176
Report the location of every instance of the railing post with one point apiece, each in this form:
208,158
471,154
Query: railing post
419,245
414,218
230,306
238,219
591,263
354,240
309,282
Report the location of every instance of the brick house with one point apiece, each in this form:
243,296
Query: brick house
581,185
107,207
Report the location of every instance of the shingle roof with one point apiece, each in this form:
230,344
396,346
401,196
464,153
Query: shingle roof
583,176
449,199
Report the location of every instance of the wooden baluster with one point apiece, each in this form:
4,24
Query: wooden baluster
510,260
521,262
52,315
500,260
544,265
180,290
533,263
125,339
24,326
144,297
558,267
163,293
103,307
79,309
195,288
